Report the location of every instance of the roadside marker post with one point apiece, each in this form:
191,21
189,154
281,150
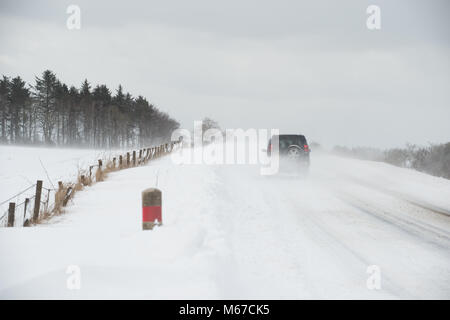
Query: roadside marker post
151,208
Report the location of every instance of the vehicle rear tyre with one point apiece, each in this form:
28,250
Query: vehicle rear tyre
294,152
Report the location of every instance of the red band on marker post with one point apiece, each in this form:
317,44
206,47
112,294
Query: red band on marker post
150,214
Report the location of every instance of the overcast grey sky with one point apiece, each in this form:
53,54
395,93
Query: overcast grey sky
311,67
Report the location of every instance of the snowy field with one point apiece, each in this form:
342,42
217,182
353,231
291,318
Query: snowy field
21,167
231,233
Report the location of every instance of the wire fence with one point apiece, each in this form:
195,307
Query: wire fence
20,203
37,203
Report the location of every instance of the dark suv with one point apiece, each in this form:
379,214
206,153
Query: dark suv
293,150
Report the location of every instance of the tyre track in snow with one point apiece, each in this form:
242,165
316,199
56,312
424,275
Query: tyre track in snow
370,243
424,236
352,261
430,208
419,229
277,233
266,263
419,221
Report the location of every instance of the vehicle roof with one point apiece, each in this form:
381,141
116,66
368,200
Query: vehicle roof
288,135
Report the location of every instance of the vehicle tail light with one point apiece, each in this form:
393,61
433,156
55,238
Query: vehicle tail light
270,147
306,148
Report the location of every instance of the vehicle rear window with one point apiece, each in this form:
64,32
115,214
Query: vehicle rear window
288,140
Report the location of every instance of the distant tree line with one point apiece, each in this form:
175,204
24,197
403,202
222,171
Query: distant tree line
51,113
433,159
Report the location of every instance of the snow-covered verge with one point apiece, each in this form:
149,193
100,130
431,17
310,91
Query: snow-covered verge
229,232
21,167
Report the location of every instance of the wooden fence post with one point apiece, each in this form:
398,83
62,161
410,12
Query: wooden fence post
128,159
11,211
67,196
99,172
114,163
26,222
59,194
37,201
25,205
120,162
134,158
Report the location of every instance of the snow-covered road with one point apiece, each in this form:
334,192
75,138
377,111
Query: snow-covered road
231,233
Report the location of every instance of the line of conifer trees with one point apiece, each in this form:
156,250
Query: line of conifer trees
51,113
